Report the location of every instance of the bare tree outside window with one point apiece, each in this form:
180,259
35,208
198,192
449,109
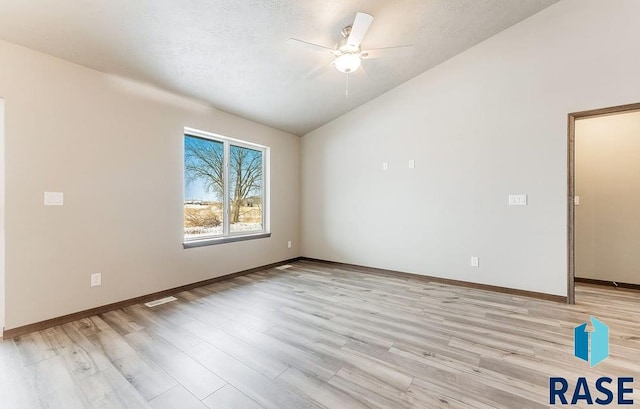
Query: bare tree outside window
245,184
204,164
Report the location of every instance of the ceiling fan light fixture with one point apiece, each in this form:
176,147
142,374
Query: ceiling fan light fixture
348,63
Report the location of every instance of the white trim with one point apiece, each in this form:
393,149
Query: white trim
209,241
266,190
211,135
2,207
226,227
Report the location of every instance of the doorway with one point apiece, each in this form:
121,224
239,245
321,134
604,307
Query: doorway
574,201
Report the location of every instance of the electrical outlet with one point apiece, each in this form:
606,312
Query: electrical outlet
289,244
475,262
96,279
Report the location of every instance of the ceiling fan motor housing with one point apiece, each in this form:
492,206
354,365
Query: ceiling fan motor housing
347,55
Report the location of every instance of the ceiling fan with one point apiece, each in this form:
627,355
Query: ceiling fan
348,54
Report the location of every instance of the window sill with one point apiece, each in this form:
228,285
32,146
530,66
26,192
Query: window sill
223,240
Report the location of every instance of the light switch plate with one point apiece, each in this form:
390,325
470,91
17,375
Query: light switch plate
475,261
412,164
96,279
385,166
576,200
53,198
517,200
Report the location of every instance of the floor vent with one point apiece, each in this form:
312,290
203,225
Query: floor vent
160,301
286,266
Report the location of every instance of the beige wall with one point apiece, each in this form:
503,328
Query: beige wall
489,122
114,148
608,183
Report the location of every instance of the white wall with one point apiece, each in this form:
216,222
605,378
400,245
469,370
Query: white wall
115,148
2,311
489,122
608,183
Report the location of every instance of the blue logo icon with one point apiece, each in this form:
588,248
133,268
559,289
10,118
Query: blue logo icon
599,340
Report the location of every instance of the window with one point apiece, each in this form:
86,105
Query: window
224,189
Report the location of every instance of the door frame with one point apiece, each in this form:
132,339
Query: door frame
571,185
3,122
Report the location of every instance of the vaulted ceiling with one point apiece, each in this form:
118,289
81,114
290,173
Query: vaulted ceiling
233,54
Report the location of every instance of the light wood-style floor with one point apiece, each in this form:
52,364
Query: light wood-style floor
319,335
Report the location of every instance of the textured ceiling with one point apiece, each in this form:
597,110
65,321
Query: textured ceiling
233,53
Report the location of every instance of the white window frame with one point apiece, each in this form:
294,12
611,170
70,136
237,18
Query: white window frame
227,236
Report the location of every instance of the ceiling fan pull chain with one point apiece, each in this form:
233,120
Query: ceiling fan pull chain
346,90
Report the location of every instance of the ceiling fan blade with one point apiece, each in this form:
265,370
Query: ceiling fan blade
403,51
359,28
318,70
311,46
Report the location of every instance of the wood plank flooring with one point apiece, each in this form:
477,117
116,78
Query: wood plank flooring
319,336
